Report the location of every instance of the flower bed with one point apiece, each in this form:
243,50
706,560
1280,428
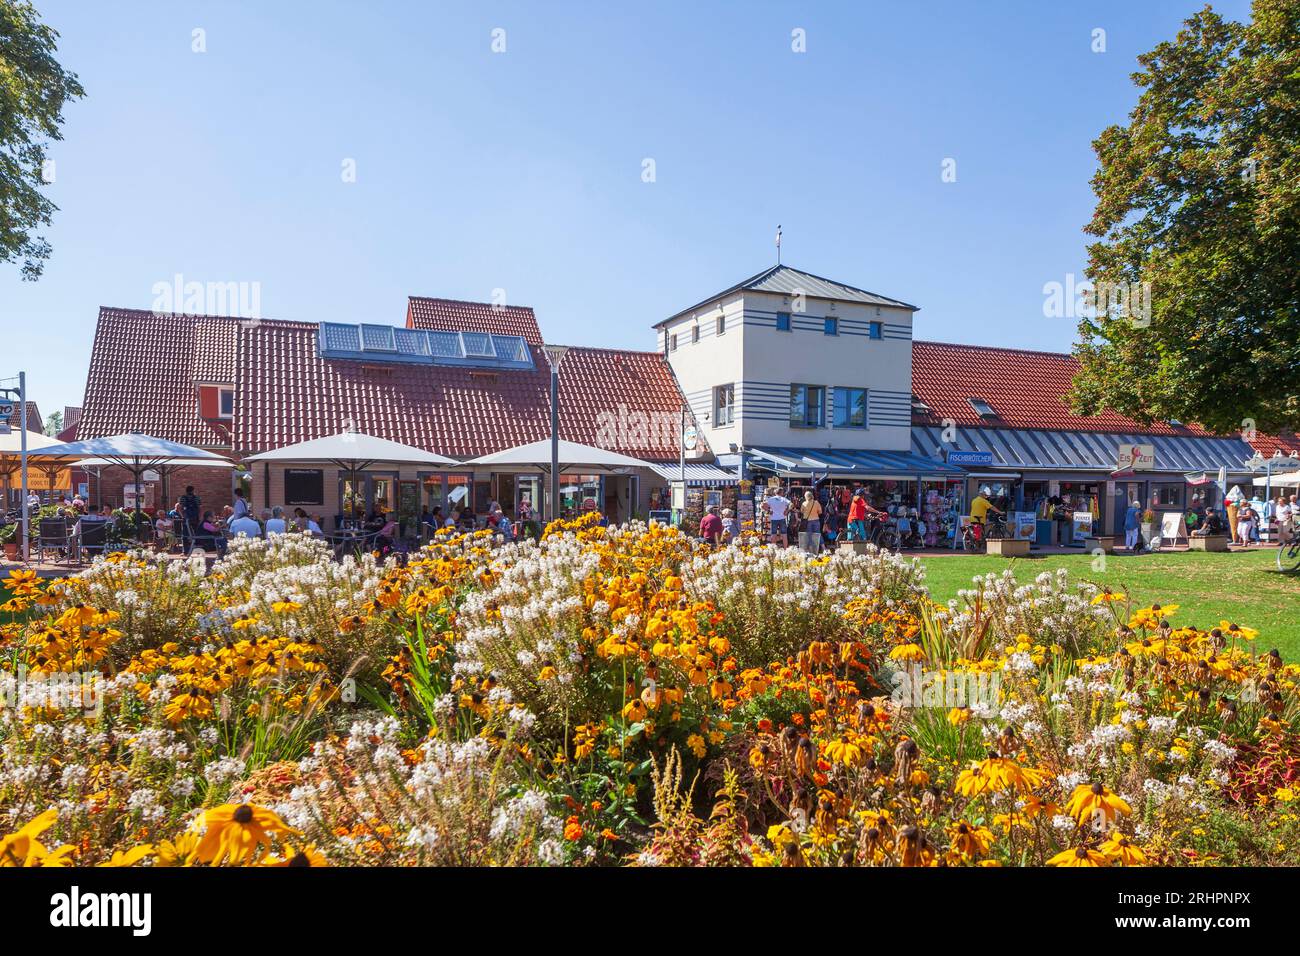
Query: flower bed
624,696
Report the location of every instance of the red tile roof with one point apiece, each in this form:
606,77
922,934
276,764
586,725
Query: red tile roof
287,393
601,392
34,421
1027,390
1286,443
453,315
141,377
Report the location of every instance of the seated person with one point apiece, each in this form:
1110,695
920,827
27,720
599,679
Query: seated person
245,526
1212,524
164,528
387,531
274,520
307,524
211,534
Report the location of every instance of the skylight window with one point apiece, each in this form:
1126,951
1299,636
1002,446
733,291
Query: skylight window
363,342
340,338
377,338
444,344
982,408
919,407
477,345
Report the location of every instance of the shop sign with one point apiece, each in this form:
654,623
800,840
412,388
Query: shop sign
1025,525
1082,521
1131,457
970,458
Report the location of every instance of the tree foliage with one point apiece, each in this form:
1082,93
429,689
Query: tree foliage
33,90
1199,196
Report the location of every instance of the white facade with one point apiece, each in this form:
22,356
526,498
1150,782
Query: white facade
843,368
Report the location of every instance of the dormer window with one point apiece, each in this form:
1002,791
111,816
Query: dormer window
982,408
226,403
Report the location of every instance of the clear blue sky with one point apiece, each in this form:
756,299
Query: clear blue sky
523,170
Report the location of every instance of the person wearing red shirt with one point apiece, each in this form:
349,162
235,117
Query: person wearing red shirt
711,527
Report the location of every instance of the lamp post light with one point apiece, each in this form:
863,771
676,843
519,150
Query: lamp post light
555,355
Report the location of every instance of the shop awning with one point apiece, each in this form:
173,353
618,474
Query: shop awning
849,463
1084,451
696,475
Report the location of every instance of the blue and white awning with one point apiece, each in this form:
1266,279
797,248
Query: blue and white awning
849,463
1031,449
697,475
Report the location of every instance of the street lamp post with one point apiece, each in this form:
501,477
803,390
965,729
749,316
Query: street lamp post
555,355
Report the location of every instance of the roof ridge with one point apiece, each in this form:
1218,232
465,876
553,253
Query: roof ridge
490,305
603,348
154,313
994,348
845,285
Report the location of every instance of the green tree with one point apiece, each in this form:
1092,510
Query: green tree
33,89
1199,196
53,423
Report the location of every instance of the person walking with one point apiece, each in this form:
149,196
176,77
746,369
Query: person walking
711,527
1246,517
730,526
1285,514
189,506
858,516
812,518
1133,526
241,504
777,507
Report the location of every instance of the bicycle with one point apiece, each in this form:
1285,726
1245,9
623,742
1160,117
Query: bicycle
976,535
1288,554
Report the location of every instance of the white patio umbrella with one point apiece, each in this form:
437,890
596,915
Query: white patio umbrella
353,451
134,451
536,456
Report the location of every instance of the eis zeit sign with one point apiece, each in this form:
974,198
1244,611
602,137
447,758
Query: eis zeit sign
1132,457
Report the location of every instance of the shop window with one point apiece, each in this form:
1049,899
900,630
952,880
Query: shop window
831,325
1167,496
783,321
807,406
724,404
850,408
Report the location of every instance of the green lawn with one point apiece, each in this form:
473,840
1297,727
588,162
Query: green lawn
1243,587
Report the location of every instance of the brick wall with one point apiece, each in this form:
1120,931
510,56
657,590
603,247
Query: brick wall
212,485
